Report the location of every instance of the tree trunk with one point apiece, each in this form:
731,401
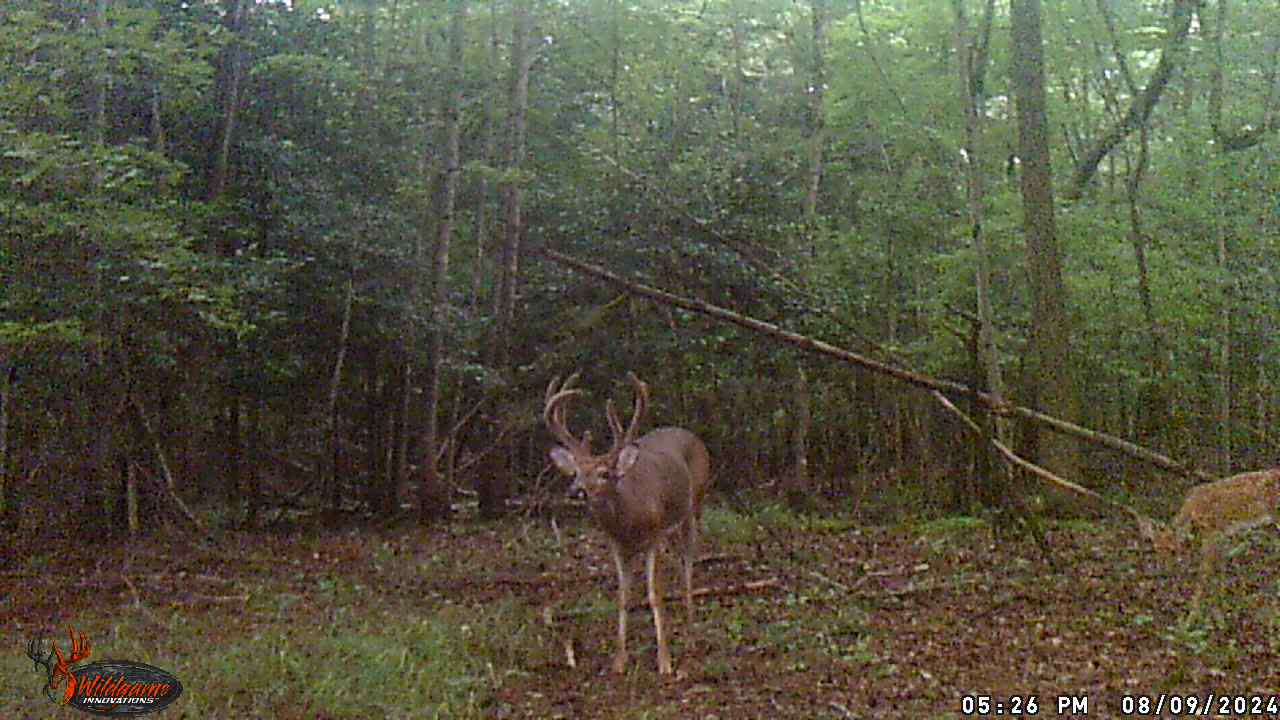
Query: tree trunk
131,497
434,499
1222,359
230,76
799,490
1051,379
397,391
233,464
404,396
973,52
253,448
374,437
8,496
98,98
488,131
817,113
518,101
333,452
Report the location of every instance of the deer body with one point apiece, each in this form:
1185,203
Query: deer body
642,494
1215,511
658,495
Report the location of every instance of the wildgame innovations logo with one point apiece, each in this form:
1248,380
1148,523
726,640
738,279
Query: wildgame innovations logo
107,687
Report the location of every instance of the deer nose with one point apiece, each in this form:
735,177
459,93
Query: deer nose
576,491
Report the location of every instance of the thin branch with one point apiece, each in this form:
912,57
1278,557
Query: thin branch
996,404
1031,467
1142,106
171,485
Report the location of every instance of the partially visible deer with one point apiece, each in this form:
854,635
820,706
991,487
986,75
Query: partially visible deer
641,493
1213,512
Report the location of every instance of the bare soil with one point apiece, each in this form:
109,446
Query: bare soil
824,619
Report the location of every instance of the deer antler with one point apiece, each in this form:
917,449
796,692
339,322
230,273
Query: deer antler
622,438
553,414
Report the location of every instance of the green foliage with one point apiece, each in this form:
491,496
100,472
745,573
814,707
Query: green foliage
668,141
729,526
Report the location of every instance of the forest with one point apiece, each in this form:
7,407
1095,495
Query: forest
967,314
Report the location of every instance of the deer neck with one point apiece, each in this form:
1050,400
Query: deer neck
636,510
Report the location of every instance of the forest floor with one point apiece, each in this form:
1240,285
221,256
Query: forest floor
796,617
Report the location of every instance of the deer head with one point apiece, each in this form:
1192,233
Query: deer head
573,457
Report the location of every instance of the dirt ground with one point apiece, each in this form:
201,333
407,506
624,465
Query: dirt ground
795,617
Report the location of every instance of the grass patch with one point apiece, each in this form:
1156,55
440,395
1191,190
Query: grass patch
952,525
733,527
437,664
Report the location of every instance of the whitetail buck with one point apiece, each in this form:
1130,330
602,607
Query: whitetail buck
1213,512
640,492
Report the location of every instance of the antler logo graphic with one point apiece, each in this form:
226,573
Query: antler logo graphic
59,667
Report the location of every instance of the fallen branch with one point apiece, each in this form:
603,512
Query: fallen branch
137,597
197,598
171,485
997,405
1031,467
731,590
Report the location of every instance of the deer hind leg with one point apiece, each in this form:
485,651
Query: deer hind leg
689,554
655,603
624,589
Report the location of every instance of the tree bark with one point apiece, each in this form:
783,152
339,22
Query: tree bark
330,480
974,54
434,499
488,131
799,491
375,438
230,76
8,496
1226,290
98,98
518,104
233,461
131,498
1051,378
253,445
817,113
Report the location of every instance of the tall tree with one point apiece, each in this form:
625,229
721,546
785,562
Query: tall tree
522,58
817,109
434,500
973,53
230,77
1050,378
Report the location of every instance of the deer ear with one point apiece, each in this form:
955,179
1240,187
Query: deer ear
564,461
626,459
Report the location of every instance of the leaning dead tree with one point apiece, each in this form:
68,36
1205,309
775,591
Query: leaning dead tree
994,404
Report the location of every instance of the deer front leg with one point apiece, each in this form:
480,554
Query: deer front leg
655,603
1208,559
624,588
